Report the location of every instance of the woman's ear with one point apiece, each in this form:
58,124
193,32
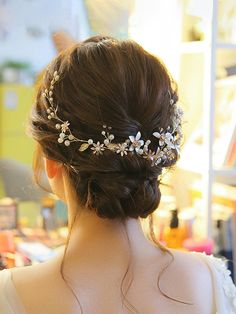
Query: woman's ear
52,167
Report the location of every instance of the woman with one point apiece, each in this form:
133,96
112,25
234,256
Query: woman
107,124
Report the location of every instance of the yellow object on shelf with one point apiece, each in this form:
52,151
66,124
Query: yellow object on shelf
173,238
15,104
2,190
173,235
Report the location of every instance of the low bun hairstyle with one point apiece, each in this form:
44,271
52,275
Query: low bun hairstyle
117,83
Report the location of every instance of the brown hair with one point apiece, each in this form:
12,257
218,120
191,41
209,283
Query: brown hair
117,83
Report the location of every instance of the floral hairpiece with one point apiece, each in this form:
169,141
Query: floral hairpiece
169,138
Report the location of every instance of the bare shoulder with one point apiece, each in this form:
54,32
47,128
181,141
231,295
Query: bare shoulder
32,274
191,264
27,280
192,277
35,284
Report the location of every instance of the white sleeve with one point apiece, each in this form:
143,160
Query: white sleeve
224,288
5,307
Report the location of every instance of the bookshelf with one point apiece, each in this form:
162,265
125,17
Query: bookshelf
202,58
199,59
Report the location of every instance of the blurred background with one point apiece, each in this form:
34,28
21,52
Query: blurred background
197,41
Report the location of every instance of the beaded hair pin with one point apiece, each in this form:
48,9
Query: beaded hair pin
169,138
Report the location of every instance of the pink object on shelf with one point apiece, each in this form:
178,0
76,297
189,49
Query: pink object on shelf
204,245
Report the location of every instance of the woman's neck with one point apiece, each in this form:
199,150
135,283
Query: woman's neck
103,236
102,248
96,243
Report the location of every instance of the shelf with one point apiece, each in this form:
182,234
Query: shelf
190,47
226,46
226,81
226,172
223,175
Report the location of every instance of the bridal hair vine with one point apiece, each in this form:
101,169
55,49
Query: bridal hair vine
169,139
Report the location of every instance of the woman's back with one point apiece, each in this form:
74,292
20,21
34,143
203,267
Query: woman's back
41,289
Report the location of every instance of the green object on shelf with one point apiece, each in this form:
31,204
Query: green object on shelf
61,213
28,213
19,65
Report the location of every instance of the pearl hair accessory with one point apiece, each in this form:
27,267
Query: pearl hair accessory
169,139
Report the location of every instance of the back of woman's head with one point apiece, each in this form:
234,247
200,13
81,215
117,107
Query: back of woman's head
105,82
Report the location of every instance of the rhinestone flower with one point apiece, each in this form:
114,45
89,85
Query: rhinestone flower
165,138
65,126
149,155
122,149
136,143
155,157
98,148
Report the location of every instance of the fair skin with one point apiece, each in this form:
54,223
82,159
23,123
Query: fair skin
96,261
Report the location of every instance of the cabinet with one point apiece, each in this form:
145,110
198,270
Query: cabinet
203,88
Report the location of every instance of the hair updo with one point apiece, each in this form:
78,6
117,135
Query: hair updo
117,83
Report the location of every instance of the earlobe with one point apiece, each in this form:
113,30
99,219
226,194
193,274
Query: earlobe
52,167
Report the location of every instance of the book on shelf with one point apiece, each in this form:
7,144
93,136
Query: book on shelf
223,229
231,160
225,125
224,128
